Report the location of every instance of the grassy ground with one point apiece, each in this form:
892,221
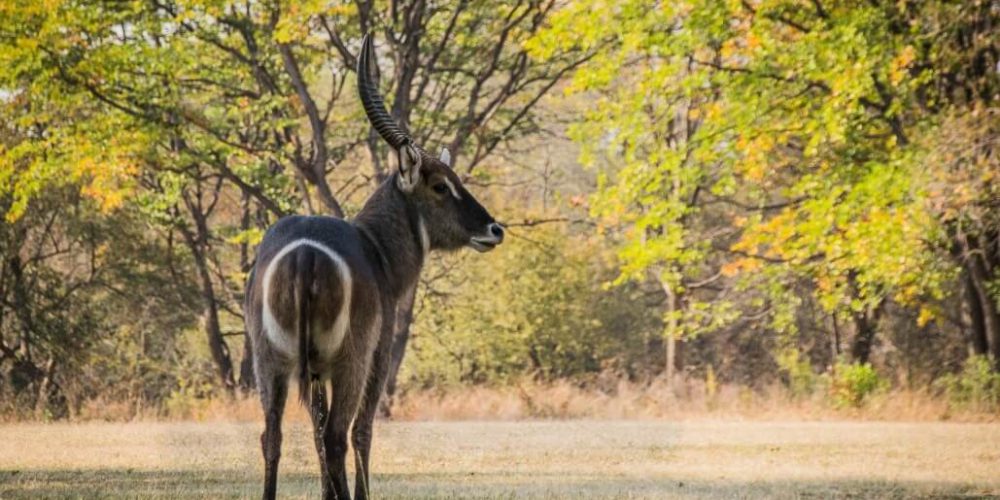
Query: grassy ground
557,459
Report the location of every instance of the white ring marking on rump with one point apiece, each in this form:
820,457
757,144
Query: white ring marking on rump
287,342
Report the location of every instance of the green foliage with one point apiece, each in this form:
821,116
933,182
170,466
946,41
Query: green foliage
802,380
194,383
739,97
976,387
535,307
207,119
85,311
853,384
711,387
772,169
777,143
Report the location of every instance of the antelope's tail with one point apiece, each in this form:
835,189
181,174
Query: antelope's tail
303,298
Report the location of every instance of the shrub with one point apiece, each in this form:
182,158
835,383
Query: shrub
852,384
977,387
798,373
535,308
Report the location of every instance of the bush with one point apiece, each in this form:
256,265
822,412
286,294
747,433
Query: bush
977,387
798,374
852,384
536,308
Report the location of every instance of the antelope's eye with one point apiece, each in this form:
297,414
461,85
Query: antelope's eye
440,188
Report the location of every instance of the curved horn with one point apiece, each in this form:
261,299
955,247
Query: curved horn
372,101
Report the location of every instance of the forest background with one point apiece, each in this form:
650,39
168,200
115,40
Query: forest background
713,205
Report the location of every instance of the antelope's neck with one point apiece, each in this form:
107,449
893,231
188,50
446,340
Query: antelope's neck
392,227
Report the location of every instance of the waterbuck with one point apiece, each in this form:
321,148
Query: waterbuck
321,297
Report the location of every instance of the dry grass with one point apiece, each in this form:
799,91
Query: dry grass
534,459
684,401
615,400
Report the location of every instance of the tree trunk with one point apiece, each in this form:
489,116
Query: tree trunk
247,381
313,168
400,339
977,322
213,330
835,347
326,196
198,243
671,334
671,357
44,386
979,276
865,323
991,317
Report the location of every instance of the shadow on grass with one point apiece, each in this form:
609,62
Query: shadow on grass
104,483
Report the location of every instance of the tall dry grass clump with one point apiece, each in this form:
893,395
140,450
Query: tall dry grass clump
686,399
832,398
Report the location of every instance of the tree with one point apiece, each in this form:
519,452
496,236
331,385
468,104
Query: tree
250,97
811,117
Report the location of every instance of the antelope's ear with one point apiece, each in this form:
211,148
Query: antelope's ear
409,168
445,157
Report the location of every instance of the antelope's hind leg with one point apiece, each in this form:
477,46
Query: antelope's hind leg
319,410
349,374
361,434
273,394
348,384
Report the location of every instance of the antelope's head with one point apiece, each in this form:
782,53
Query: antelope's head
451,217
